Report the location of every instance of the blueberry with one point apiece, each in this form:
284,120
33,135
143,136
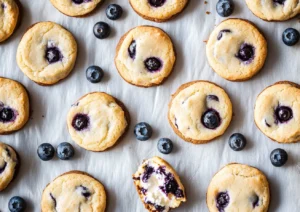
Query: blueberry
225,7
17,204
101,30
165,145
278,157
65,151
279,1
283,114
246,52
152,64
132,49
80,122
156,3
114,11
6,114
53,55
222,201
290,36
142,131
94,74
78,1
237,142
211,119
46,151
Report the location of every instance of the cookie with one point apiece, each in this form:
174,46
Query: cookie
276,112
158,185
158,10
47,53
200,111
9,16
75,8
14,106
8,165
74,191
97,121
238,187
236,50
274,10
140,61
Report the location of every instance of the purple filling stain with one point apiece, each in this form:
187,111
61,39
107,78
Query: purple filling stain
80,122
222,201
53,199
158,208
255,203
84,191
132,49
281,2
176,125
3,168
171,186
149,170
246,53
220,35
212,97
3,6
143,190
283,114
156,3
153,64
268,125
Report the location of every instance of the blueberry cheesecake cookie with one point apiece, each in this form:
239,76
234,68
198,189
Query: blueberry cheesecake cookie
47,53
238,187
158,185
8,165
97,121
276,112
14,106
236,50
74,191
140,61
200,111
158,10
75,8
274,10
9,16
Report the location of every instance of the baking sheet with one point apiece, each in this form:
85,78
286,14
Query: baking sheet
196,164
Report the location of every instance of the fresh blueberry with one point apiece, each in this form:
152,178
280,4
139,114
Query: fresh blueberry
114,11
225,7
80,122
53,55
132,49
237,142
65,151
94,74
211,119
278,157
246,53
290,36
152,64
101,30
222,201
17,204
6,114
142,131
46,151
156,3
283,114
165,145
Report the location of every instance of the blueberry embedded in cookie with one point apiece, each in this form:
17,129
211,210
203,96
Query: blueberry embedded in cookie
225,194
140,61
14,106
75,8
9,15
200,111
82,192
158,10
236,50
276,111
8,165
47,53
158,185
274,10
97,121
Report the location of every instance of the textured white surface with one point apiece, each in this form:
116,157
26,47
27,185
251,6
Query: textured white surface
195,164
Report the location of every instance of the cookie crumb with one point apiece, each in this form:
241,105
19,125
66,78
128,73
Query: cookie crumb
205,2
207,12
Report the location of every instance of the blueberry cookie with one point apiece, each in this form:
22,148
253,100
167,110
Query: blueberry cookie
47,53
200,111
97,121
140,61
8,165
238,187
158,185
276,112
74,191
274,10
158,10
75,7
9,16
236,50
14,106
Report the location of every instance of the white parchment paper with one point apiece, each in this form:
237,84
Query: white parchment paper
196,164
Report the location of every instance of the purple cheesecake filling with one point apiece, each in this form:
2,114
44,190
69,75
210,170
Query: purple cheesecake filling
255,203
80,122
53,55
132,49
84,191
246,53
212,97
153,64
7,114
283,114
220,35
222,201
